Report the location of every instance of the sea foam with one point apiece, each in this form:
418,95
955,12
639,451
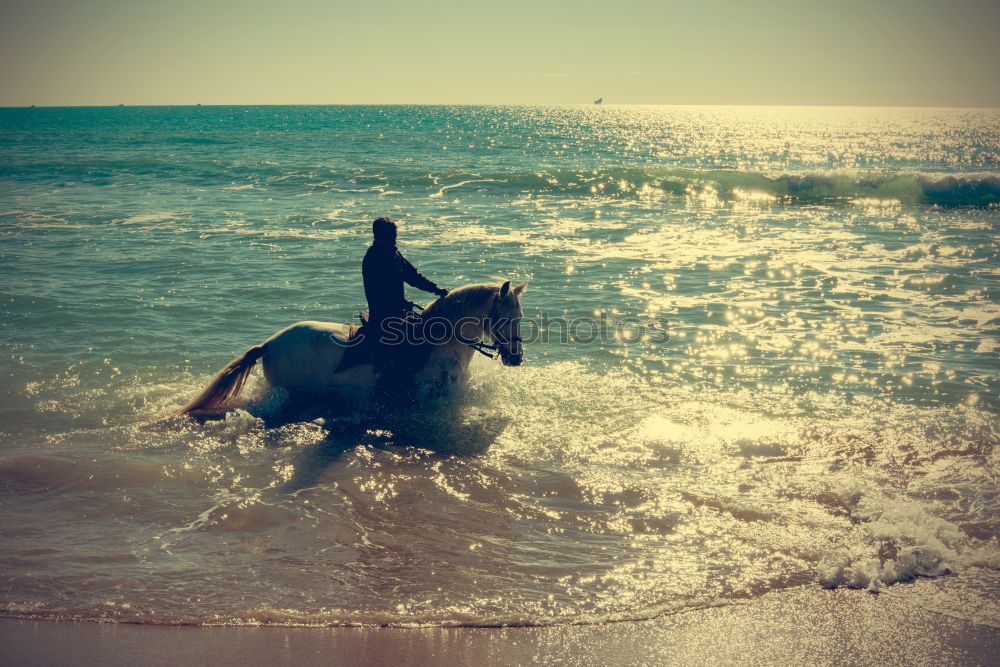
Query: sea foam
909,542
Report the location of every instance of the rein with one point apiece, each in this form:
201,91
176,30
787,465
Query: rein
485,349
482,348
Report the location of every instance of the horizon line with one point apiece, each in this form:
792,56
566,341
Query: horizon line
490,104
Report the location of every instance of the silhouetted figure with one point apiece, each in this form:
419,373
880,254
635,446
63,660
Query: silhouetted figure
384,270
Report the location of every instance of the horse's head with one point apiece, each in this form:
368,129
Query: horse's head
473,311
504,323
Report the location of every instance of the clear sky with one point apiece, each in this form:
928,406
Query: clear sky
890,52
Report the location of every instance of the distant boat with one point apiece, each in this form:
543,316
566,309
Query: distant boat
598,100
121,105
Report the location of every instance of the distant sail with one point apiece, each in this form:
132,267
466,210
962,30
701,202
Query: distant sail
598,100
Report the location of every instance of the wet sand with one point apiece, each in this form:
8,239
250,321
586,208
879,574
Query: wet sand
800,626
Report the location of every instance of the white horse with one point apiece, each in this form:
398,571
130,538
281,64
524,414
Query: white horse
305,357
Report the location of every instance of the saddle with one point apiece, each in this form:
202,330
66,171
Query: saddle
360,347
357,351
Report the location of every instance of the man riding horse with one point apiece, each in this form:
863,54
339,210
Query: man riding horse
307,359
384,270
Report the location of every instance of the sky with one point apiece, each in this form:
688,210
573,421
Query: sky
772,52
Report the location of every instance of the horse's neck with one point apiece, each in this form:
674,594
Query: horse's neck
473,329
458,352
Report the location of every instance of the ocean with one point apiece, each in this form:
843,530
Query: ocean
762,351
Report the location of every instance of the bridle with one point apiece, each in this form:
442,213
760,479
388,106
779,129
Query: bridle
491,350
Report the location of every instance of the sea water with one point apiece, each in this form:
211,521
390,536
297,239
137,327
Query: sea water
761,352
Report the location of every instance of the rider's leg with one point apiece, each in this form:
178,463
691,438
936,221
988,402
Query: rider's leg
385,357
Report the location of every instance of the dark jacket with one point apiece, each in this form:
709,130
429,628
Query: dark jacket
384,269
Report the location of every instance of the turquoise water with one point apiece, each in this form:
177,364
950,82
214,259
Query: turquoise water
805,391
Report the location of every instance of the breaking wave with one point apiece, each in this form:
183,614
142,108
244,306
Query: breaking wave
967,189
910,541
947,190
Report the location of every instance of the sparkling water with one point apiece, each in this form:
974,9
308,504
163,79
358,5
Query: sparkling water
761,352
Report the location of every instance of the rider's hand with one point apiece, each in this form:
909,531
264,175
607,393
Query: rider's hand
441,291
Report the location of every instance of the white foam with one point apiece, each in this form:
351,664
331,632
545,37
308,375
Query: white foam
923,545
236,423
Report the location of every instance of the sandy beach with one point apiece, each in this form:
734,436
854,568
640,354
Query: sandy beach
800,626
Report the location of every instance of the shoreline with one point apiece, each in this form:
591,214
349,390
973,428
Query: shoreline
805,625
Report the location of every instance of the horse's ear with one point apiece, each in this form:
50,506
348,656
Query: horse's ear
519,289
505,290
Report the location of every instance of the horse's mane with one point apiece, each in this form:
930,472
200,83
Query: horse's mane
463,301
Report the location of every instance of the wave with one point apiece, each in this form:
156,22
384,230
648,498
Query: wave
967,189
920,544
946,190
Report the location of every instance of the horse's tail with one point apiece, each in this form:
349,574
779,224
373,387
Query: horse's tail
227,384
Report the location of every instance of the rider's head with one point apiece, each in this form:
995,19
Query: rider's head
384,230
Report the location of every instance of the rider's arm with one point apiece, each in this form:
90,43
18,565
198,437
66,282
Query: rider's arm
414,278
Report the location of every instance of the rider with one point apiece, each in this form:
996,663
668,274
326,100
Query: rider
384,270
